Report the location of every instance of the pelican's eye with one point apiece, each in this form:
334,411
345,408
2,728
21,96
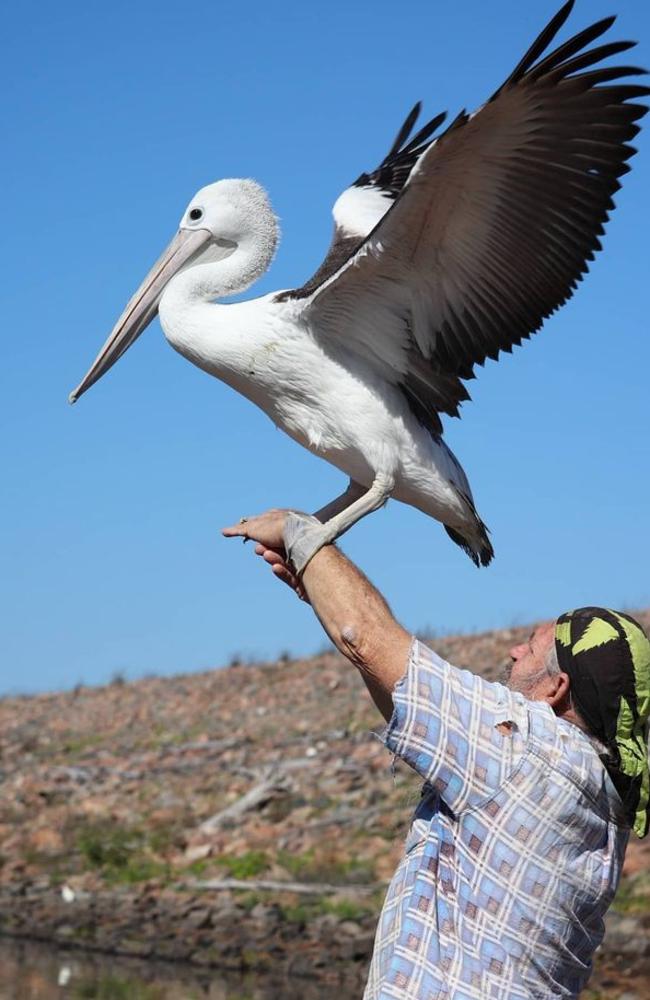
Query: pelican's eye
196,214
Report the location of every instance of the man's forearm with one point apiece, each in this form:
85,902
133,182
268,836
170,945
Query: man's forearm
352,612
358,621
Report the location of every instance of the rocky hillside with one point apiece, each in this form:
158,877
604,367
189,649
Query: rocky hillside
242,818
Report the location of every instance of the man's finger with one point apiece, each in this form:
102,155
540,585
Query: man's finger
234,530
286,575
292,581
245,526
267,529
283,574
273,558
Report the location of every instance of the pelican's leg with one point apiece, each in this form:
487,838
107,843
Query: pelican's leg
372,499
305,539
353,492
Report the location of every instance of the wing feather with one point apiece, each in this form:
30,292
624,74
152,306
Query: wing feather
540,44
495,225
362,205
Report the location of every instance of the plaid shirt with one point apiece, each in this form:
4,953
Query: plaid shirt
514,852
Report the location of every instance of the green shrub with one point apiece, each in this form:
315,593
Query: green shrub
244,865
339,871
109,987
120,853
109,845
344,909
633,895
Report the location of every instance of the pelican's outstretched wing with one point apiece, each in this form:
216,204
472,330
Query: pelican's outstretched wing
358,210
494,226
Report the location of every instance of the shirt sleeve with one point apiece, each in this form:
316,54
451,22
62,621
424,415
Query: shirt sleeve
444,725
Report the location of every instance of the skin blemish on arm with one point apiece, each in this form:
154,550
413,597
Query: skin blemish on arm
350,643
354,645
348,634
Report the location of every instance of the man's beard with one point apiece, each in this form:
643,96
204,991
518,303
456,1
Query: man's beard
506,674
525,687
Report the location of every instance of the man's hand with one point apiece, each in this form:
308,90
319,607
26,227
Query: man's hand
268,531
354,614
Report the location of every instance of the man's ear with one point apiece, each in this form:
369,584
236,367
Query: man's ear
557,692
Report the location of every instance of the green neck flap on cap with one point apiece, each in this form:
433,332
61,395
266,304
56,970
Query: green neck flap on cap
607,657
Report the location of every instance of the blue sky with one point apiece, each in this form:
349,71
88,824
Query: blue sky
114,114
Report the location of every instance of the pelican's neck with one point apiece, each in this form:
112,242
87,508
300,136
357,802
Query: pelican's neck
207,280
206,333
245,234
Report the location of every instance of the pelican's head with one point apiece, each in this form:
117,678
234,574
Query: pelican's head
223,219
231,212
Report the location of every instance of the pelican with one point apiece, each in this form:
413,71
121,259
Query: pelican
456,247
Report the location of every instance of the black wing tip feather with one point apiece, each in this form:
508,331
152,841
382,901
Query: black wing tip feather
541,43
393,171
598,92
571,55
405,130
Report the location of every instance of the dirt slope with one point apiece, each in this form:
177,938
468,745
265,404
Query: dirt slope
118,803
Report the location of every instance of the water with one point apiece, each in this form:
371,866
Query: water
31,971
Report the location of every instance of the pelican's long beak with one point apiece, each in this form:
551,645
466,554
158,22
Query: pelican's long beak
143,306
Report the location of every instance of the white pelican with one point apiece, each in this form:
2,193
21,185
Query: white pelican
455,248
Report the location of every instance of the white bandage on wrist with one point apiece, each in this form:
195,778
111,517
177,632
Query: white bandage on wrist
303,537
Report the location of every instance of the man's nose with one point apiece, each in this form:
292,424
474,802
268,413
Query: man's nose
517,651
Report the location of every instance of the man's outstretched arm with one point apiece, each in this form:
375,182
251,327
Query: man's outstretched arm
353,612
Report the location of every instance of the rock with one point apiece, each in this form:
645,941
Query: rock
348,928
197,853
46,841
358,947
134,946
301,965
199,917
624,935
324,924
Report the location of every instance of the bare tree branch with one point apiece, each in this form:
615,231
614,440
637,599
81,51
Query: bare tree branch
304,888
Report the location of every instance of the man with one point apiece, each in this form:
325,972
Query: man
516,848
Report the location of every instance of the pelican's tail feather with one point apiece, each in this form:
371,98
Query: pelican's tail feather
468,530
479,548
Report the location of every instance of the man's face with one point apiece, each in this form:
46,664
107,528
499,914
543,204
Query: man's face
527,672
